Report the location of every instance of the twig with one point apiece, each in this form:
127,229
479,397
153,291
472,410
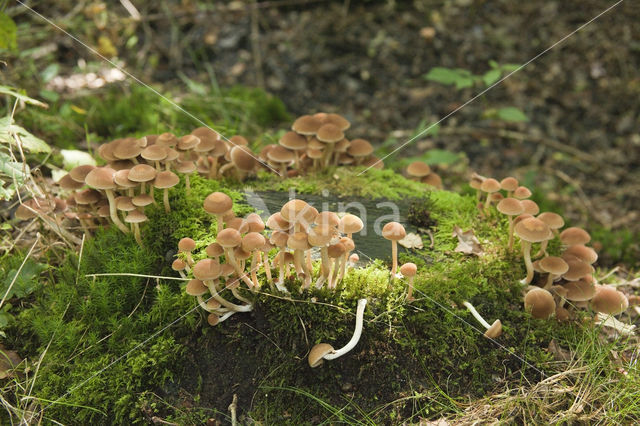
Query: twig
127,274
232,409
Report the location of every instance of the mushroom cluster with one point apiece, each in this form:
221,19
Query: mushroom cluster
316,142
421,171
564,278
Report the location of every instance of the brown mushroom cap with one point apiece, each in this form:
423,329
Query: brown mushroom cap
186,167
510,206
521,193
206,269
495,330
298,241
294,141
101,178
509,184
580,291
243,158
532,230
554,220
187,142
329,133
79,173
434,179
577,269
280,154
418,169
350,224
135,216
306,125
295,210
154,153
142,173
124,204
553,265
66,182
327,218
142,200
393,231
337,120
318,352
229,237
277,222
167,139
178,265
255,222
409,269
360,148
321,235
196,287
186,244
166,179
608,300
214,250
530,207
582,252
574,236
253,241
217,203
539,302
87,196
336,250
490,185
279,239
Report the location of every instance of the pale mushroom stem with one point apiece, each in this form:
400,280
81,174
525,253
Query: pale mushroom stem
267,268
526,252
298,261
254,268
394,256
219,222
550,280
224,302
165,200
510,246
232,260
238,296
410,292
113,213
136,233
362,303
337,264
187,184
543,248
326,262
213,167
487,203
476,315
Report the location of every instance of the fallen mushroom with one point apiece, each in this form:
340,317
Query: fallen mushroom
493,330
323,351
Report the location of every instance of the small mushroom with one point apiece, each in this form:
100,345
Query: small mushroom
165,180
323,351
493,330
540,303
510,207
393,231
187,245
531,230
409,270
218,204
102,178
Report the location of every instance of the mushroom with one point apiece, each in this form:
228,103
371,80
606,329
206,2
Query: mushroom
252,243
135,218
540,303
323,351
296,143
229,239
218,204
608,300
554,221
554,266
530,230
574,236
509,184
489,185
187,245
186,168
393,231
510,207
418,169
165,180
493,330
142,173
102,178
409,270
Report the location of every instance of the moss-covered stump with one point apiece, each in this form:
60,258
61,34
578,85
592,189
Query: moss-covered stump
130,348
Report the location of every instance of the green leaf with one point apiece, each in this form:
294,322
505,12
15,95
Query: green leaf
510,67
491,76
30,142
8,38
461,78
440,156
72,158
26,281
14,169
512,114
5,90
493,64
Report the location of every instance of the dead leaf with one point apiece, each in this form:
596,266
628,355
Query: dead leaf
411,240
8,361
467,242
559,353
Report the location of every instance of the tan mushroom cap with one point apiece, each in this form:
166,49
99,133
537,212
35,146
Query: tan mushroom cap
321,235
253,241
522,192
553,265
296,210
166,179
409,269
87,196
374,162
214,250
476,180
279,239
243,158
255,222
126,149
142,173
185,167
574,236
348,243
317,353
577,269
178,265
337,120
532,230
101,178
217,203
393,231
154,153
205,133
166,139
186,244
135,216
336,250
187,142
142,200
329,133
360,148
510,206
298,241
79,173
277,222
306,125
554,220
509,184
238,140
207,269
124,204
229,237
608,300
580,291
66,182
121,178
530,207
294,141
490,185
539,302
582,252
327,218
434,179
238,224
350,224
280,154
495,330
418,169
196,287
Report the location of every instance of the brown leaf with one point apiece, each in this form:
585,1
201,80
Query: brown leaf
467,242
8,361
